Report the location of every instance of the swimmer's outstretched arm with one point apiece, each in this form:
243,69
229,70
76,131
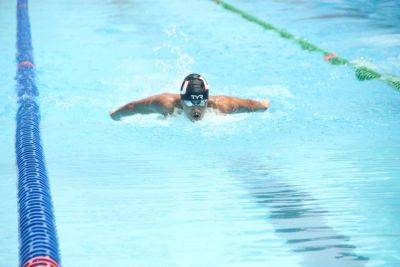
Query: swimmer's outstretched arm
228,104
162,103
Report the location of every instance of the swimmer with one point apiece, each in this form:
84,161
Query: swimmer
193,100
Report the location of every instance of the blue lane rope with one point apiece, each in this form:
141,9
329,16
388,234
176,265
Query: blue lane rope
37,231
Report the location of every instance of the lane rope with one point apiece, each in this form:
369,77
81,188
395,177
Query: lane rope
38,243
362,73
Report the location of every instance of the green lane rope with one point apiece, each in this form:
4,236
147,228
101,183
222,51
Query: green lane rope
362,73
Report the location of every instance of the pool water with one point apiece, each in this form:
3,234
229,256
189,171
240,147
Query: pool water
311,182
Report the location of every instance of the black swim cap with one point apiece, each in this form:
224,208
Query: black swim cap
194,87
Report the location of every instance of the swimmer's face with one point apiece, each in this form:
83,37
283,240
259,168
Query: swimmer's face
194,113
194,96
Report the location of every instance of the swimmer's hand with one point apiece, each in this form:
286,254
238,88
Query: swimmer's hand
115,116
265,103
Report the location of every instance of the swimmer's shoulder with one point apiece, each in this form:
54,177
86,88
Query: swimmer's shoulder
218,102
169,100
217,99
167,96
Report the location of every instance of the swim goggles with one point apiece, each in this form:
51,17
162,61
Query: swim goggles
197,103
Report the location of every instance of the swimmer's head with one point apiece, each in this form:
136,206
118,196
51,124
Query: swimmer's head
194,96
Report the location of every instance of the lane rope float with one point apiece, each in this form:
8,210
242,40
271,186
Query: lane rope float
38,243
362,73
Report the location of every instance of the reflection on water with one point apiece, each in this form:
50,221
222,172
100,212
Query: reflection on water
338,15
385,14
123,5
297,218
123,11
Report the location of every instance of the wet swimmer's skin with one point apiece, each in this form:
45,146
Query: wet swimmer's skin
193,100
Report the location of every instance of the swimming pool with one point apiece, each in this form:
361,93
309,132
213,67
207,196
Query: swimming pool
312,181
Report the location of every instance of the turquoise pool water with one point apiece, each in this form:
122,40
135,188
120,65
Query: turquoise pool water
312,182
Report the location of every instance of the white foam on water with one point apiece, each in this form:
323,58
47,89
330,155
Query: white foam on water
363,62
